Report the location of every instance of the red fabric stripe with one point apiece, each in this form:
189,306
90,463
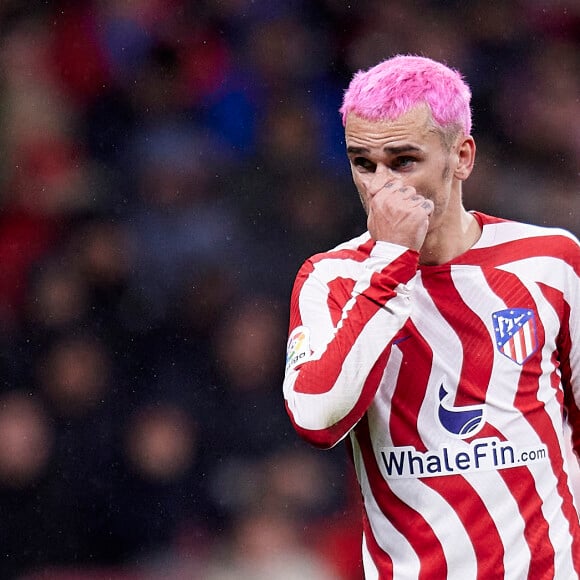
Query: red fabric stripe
382,560
477,346
556,246
522,486
321,375
409,522
358,254
483,218
326,438
406,400
457,492
564,343
533,410
295,316
478,524
340,292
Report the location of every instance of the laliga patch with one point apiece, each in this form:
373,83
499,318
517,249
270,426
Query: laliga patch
298,349
515,333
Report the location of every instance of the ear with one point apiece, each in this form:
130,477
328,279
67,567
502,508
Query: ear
465,151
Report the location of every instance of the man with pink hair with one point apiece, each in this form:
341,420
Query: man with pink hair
444,346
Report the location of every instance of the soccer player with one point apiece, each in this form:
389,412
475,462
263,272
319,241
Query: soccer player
444,345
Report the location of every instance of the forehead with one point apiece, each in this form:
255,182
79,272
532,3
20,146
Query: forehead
414,126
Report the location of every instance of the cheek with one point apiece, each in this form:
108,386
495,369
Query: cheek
439,195
364,202
358,183
363,180
361,190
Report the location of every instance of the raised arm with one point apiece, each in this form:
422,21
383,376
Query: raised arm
345,313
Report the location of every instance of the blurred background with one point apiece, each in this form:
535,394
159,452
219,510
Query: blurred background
165,168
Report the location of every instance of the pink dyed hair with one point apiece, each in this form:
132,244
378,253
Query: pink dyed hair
396,85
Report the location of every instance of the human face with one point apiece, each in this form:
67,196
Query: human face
408,148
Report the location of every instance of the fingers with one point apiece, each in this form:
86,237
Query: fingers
389,186
428,206
396,185
398,214
409,193
425,203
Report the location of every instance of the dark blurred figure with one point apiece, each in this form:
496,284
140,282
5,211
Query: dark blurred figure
62,513
249,423
26,448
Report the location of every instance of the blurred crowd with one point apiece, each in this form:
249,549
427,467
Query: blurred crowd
165,168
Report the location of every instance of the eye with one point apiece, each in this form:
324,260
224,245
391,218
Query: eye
364,164
403,162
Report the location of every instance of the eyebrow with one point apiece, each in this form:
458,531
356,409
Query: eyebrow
392,150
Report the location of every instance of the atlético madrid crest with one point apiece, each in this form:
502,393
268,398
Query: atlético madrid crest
515,333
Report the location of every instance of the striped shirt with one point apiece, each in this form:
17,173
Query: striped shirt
451,385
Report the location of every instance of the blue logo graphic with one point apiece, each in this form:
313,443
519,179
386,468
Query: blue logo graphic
463,422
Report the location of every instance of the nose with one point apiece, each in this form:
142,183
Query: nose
381,176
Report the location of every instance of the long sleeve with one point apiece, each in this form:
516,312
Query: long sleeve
569,348
346,310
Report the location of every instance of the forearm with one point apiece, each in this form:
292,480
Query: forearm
330,384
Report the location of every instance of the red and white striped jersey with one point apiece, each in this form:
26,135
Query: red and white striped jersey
453,384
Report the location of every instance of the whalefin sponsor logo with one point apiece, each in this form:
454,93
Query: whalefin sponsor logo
515,333
486,454
298,348
462,422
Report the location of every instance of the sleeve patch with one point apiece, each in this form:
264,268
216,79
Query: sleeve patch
298,349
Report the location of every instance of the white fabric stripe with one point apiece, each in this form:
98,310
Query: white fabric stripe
499,233
447,358
353,243
493,491
379,413
518,431
528,340
320,411
508,350
319,319
504,511
445,524
545,479
405,561
542,269
519,353
573,466
323,410
370,570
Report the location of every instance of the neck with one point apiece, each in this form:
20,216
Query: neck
444,242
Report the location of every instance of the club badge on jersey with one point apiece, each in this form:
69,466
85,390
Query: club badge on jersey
515,333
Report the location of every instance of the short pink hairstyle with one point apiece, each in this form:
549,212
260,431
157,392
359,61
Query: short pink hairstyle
393,87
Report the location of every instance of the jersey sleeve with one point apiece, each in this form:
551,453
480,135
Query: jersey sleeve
570,348
344,315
